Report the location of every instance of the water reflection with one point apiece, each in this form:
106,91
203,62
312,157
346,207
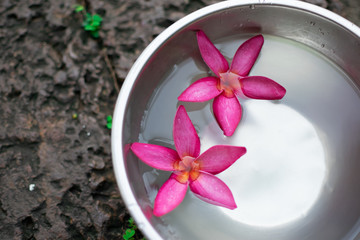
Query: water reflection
282,174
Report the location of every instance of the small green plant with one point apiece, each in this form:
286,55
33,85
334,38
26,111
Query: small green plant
74,116
129,234
91,22
109,122
131,224
131,230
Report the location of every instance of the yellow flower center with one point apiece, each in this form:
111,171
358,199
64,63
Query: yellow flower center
187,168
229,82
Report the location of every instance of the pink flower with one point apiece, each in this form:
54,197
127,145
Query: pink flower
189,167
232,82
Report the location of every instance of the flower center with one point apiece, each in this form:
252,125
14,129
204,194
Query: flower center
187,168
229,82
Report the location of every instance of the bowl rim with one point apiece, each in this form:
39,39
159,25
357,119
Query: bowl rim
122,101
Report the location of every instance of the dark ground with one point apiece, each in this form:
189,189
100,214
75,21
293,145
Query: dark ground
50,69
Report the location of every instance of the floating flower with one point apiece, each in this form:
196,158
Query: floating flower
189,167
232,82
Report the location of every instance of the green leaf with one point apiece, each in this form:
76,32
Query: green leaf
78,8
89,27
109,120
95,24
97,18
92,23
88,17
129,233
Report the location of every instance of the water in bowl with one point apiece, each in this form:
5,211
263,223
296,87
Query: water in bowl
290,177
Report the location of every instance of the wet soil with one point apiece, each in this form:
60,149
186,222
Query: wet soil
57,87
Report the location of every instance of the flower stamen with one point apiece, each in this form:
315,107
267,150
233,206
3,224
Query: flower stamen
187,168
229,82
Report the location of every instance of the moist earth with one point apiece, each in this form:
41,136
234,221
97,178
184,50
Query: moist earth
58,84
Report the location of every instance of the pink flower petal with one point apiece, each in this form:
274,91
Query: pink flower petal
159,157
212,190
262,88
227,112
246,55
202,90
218,158
211,55
187,142
170,195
